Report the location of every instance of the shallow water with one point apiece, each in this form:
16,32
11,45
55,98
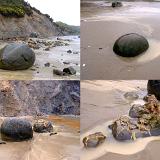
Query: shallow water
101,103
63,146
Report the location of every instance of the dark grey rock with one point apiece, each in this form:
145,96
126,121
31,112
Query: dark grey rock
69,70
116,4
130,45
47,64
16,57
153,87
69,51
58,72
14,129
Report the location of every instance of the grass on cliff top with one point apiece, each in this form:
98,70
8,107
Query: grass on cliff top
14,8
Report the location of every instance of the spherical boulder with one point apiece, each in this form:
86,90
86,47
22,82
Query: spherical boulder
153,87
130,45
14,129
16,56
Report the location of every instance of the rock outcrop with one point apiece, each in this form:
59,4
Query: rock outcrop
20,98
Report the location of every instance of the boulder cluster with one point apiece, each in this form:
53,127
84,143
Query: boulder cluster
16,129
143,121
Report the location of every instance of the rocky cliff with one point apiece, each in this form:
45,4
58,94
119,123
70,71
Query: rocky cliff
20,98
19,19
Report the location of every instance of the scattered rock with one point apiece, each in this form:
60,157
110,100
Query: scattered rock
130,45
131,96
47,64
58,72
14,129
16,57
69,51
94,140
51,134
76,52
2,142
153,87
66,62
33,44
47,49
43,126
116,4
69,70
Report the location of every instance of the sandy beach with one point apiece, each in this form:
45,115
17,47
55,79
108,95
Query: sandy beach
102,25
57,57
101,103
63,146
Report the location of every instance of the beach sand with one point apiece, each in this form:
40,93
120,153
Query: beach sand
102,25
56,56
63,146
101,103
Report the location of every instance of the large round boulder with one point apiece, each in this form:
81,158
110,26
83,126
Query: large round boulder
130,45
16,56
153,87
14,129
43,126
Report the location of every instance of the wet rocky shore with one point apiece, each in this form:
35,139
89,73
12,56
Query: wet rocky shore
52,58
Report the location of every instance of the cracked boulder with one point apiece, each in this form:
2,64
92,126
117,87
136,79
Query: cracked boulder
16,56
93,140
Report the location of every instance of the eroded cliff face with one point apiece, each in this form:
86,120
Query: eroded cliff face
11,27
20,98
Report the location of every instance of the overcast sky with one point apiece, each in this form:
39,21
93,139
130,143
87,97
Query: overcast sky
67,11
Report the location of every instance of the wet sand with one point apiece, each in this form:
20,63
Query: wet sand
101,103
56,56
101,25
63,146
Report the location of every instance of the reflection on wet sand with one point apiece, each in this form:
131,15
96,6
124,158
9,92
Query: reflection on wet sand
64,145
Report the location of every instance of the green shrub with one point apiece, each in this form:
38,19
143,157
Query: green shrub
12,11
